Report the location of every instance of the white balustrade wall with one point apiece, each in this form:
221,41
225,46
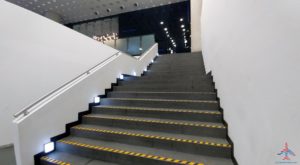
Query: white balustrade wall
253,50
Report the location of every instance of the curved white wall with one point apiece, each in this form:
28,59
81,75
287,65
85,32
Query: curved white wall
37,56
253,50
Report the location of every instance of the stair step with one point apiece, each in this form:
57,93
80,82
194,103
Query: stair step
64,158
184,114
208,129
132,155
164,82
162,103
164,95
177,142
170,78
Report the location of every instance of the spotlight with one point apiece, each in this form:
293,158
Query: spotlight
97,99
49,147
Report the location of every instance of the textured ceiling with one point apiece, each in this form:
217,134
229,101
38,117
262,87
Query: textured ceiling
72,11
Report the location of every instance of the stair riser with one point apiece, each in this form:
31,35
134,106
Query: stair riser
157,143
161,104
172,83
163,89
160,114
171,128
108,156
169,78
169,86
43,162
164,96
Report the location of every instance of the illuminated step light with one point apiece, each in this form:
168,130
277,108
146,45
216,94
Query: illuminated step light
166,29
145,70
141,49
134,73
161,22
182,26
157,54
121,77
181,19
152,61
49,147
97,99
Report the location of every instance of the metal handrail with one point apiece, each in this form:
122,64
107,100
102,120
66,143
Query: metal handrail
25,111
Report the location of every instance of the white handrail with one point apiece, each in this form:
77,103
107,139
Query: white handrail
25,111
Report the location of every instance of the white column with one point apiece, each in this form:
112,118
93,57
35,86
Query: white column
196,7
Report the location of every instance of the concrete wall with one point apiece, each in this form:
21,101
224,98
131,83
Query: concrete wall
196,9
37,56
252,48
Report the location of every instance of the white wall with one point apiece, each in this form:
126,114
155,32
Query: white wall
36,129
253,50
196,10
37,56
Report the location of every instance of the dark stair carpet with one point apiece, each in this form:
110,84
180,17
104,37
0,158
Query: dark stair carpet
170,115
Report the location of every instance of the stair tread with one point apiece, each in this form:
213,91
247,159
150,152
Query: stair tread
161,109
207,160
75,159
163,100
158,120
154,133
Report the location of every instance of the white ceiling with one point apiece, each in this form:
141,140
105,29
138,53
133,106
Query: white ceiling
73,11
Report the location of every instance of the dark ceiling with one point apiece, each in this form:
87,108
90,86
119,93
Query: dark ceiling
148,22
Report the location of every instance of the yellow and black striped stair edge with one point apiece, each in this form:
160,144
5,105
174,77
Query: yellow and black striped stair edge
165,92
165,100
154,137
135,154
159,122
164,110
54,161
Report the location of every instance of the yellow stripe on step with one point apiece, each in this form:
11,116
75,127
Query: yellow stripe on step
159,122
166,100
54,161
129,153
165,92
163,110
153,137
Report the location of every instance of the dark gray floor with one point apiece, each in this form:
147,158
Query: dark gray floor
7,156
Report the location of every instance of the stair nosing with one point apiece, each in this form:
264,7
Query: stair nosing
163,100
130,153
173,139
210,112
212,126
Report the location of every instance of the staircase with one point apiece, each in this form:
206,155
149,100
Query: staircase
168,116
